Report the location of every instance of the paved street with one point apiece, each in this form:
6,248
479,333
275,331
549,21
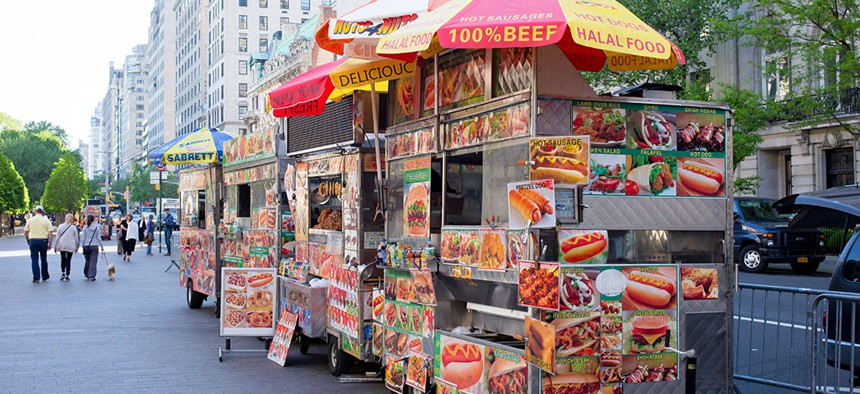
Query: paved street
132,335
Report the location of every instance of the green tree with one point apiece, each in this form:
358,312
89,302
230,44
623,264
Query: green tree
66,188
811,55
13,194
95,186
8,122
140,188
34,155
35,127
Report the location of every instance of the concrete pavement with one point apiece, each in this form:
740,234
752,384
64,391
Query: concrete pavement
134,334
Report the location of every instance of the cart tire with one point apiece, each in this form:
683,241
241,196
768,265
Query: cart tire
193,298
751,261
220,359
304,344
804,269
338,361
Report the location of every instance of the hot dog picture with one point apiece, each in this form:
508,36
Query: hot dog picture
583,246
649,288
577,336
572,383
701,177
506,376
531,203
260,279
462,363
562,159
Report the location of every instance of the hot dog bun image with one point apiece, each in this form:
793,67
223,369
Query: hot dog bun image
524,206
701,177
582,246
649,290
462,363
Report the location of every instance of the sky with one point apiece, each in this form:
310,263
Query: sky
55,56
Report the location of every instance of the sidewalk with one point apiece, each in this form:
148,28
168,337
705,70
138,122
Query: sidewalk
135,334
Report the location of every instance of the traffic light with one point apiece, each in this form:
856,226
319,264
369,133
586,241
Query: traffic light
125,195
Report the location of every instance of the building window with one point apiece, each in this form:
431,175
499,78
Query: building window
243,131
139,98
243,90
138,107
306,5
285,21
285,4
775,74
264,23
139,115
243,44
243,21
264,3
840,167
243,67
242,110
264,45
243,3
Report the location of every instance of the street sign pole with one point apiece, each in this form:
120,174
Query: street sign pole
160,207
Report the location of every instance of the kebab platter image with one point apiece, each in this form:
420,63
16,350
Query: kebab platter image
652,175
531,203
663,368
607,127
701,132
562,159
651,130
701,177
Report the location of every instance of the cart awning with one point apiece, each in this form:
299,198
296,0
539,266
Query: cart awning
199,147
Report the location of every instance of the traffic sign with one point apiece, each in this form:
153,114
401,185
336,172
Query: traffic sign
160,167
153,177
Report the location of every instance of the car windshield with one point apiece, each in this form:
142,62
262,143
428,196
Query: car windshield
761,210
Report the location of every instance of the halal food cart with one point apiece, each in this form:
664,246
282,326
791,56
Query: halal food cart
581,238
332,188
198,248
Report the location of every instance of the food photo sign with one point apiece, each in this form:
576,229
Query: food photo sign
561,159
531,204
469,367
653,150
613,327
416,197
248,302
280,346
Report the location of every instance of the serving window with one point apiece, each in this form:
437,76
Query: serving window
464,190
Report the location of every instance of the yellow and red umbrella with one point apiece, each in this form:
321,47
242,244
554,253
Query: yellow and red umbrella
307,94
591,33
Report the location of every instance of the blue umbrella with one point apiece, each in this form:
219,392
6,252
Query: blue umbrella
202,146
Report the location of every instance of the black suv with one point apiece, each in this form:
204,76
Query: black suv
763,237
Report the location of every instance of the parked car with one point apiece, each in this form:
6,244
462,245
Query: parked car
763,237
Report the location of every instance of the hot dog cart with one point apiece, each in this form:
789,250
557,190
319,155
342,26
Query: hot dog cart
198,249
582,238
333,193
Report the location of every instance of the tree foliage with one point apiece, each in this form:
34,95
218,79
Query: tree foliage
140,188
66,188
812,46
13,194
8,122
34,155
35,127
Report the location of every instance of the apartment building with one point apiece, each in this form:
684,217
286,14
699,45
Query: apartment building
191,64
95,154
161,55
134,108
110,119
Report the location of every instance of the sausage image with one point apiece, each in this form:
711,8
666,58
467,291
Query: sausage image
526,207
541,201
700,177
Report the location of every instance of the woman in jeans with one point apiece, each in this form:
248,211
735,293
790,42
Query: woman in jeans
92,242
67,243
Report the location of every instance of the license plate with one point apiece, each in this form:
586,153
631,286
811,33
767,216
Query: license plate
803,259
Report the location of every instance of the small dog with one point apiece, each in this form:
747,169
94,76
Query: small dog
111,272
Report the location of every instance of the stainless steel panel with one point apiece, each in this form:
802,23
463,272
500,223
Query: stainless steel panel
649,213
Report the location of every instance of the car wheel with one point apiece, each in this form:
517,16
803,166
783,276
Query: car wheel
805,269
193,298
751,260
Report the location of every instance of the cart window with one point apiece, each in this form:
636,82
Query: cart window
695,246
395,198
651,246
201,209
464,190
620,247
243,201
500,167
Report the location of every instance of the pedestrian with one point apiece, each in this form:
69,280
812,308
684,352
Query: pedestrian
67,243
141,229
92,242
38,233
150,235
120,235
129,227
12,224
169,221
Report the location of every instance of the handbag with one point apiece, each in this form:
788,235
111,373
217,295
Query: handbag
89,246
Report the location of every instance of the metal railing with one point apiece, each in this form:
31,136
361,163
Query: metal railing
791,338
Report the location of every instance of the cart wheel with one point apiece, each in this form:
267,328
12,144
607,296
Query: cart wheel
337,359
193,298
304,345
220,359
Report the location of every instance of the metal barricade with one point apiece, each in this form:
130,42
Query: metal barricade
773,336
835,352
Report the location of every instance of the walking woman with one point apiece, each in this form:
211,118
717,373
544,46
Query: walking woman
129,230
92,242
141,228
67,243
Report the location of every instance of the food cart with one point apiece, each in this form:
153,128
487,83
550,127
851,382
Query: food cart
198,248
582,238
332,190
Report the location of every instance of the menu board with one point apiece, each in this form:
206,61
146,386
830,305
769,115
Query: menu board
197,257
300,208
343,301
283,337
405,104
331,165
614,325
248,302
475,368
496,125
250,147
479,247
288,234
653,150
461,79
411,143
416,197
351,208
407,325
248,175
256,249
561,159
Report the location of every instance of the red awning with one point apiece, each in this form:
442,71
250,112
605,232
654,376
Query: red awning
306,94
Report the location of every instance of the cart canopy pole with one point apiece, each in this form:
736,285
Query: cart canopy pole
374,103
